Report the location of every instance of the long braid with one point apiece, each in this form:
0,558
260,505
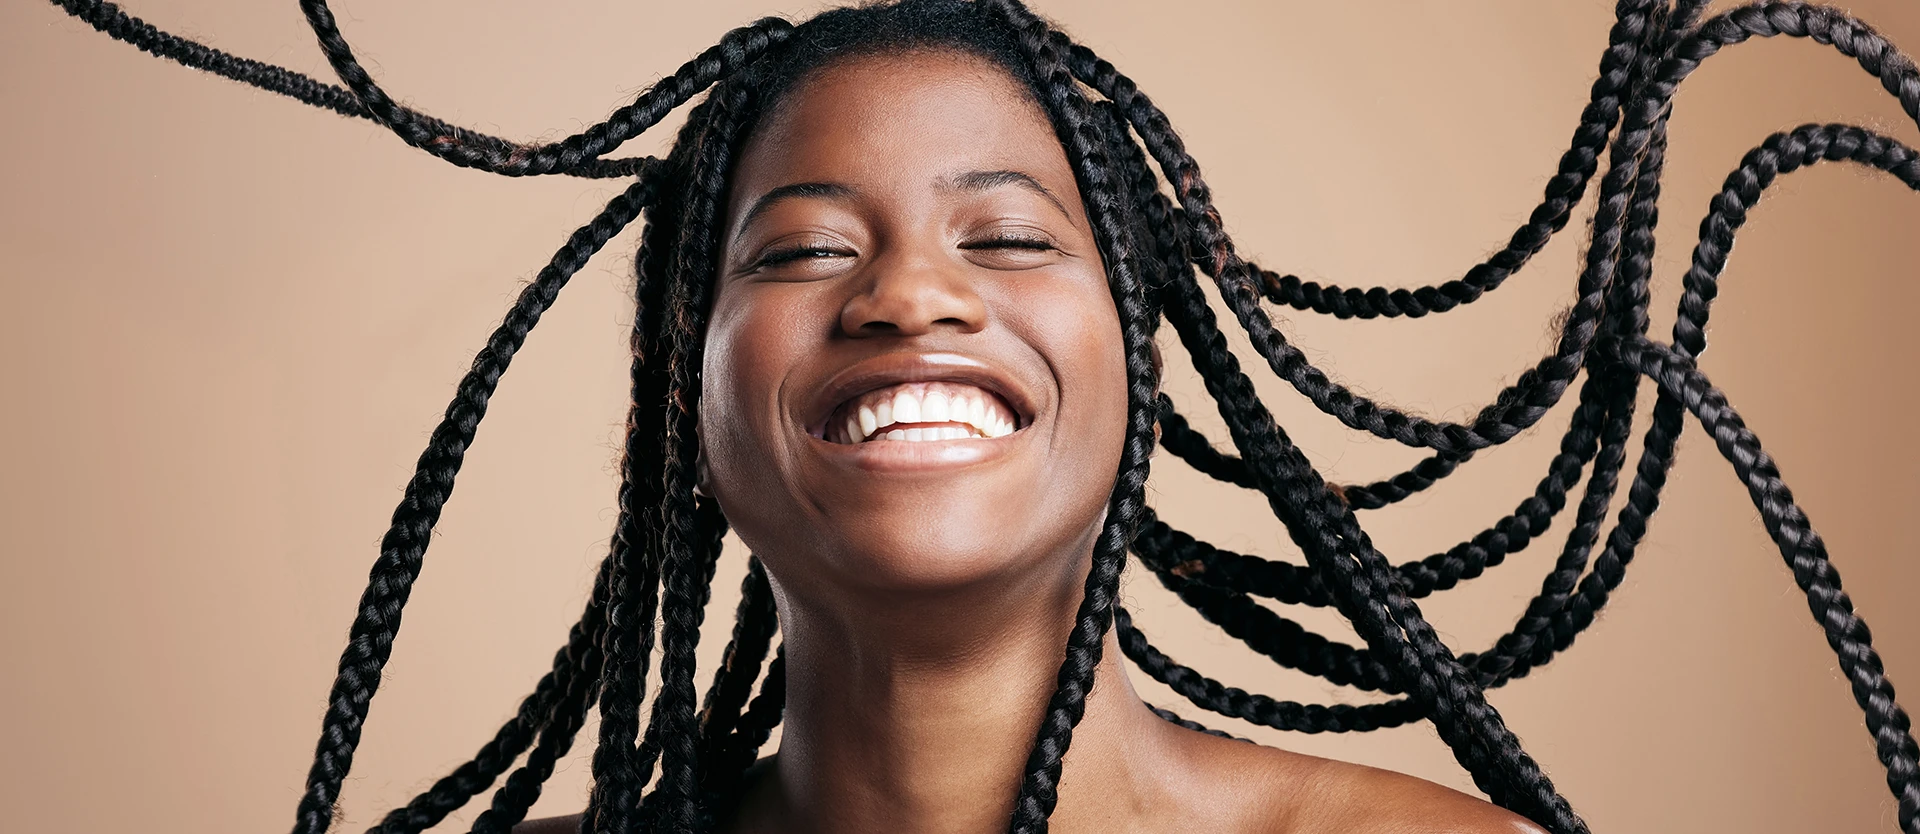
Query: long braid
1527,399
630,759
1878,58
1518,651
1089,150
755,623
630,633
1564,191
1823,25
636,588
117,24
1465,754
1292,584
1806,555
1802,146
370,640
1447,690
574,664
1404,485
1261,628
578,155
1258,709
756,724
733,51
1607,385
1292,494
622,762
1781,153
1281,640
687,300
1471,752
523,787
1456,703
1288,584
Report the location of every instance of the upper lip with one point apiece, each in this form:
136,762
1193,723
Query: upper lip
901,367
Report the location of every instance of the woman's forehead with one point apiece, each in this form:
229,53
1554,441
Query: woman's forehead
902,119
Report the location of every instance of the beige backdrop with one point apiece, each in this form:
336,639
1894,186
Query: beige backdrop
231,320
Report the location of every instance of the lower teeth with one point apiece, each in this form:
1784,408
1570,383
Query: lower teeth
922,435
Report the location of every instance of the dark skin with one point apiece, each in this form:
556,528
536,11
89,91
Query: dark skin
911,218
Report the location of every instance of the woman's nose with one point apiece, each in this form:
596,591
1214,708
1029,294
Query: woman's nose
913,296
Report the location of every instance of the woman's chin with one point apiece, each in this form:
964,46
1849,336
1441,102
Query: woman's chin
971,563
962,538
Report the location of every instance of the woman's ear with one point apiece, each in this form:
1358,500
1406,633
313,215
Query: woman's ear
700,475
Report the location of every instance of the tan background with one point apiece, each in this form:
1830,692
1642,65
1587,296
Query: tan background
231,320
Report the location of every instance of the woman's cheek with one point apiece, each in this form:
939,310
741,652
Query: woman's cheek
757,336
737,363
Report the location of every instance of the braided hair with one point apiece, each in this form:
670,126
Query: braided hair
1159,233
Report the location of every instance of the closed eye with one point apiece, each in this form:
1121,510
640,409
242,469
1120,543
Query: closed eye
1034,243
797,253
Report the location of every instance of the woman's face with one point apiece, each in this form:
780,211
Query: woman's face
913,376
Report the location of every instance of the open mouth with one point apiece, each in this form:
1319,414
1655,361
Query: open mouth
920,412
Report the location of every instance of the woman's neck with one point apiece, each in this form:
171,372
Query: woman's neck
927,713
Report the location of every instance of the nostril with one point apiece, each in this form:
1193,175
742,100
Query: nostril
911,299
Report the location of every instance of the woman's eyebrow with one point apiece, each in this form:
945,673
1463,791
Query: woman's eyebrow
828,190
983,180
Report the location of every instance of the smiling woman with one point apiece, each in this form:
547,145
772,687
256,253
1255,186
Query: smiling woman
897,300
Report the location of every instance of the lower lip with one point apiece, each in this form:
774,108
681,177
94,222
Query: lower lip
915,455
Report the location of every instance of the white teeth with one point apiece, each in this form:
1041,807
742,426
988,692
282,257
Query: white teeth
930,433
924,411
906,408
933,409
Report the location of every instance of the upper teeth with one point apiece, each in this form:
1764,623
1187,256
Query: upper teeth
921,411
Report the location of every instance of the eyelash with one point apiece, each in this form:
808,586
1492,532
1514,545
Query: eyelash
1033,242
785,256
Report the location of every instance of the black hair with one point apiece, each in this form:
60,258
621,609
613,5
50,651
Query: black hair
1158,234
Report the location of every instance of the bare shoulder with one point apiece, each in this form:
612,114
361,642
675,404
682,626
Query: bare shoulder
1351,797
551,825
1275,791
